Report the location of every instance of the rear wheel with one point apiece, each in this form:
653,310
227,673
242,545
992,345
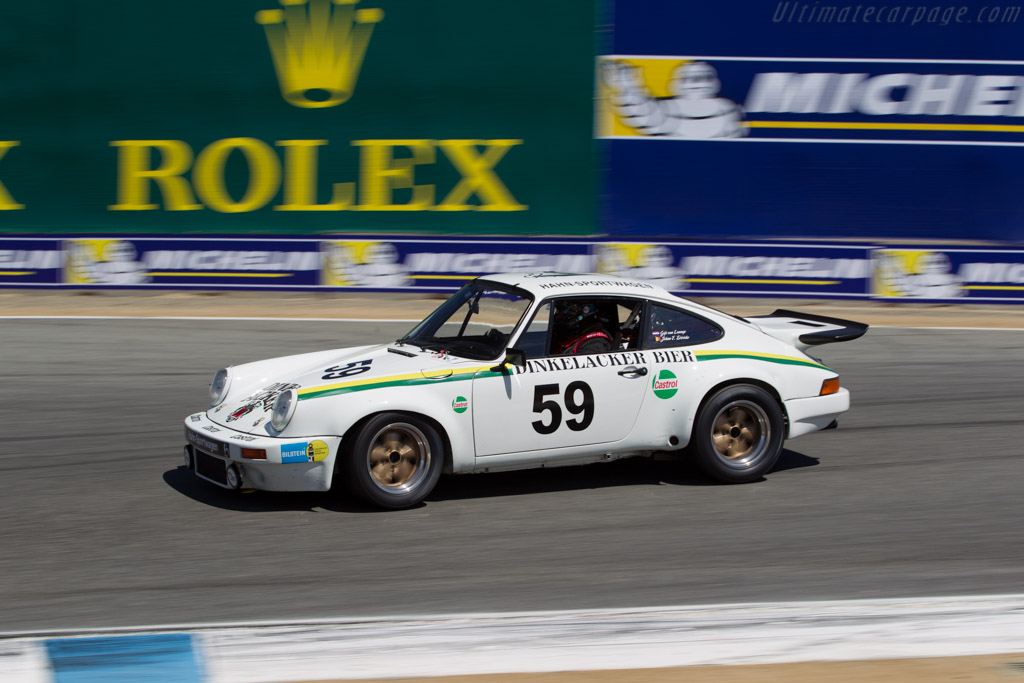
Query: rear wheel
739,433
394,461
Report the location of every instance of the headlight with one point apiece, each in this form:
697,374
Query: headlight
284,408
219,386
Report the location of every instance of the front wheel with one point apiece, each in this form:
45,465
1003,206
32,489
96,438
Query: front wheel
738,434
394,461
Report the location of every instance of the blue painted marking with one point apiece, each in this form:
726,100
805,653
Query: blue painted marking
139,659
294,452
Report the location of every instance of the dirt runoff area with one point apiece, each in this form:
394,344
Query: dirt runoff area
981,669
332,305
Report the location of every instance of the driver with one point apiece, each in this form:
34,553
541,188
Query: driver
579,328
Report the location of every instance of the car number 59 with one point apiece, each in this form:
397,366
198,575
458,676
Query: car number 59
576,406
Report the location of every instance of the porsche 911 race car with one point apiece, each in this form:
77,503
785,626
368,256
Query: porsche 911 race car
524,370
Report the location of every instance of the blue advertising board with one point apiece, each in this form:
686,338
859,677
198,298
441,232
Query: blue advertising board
28,262
424,264
938,274
804,120
753,269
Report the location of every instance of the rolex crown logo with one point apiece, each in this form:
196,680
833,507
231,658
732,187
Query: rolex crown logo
318,50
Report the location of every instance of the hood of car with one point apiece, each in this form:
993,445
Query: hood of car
344,371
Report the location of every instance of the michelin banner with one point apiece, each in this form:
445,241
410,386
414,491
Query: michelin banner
974,275
443,265
813,120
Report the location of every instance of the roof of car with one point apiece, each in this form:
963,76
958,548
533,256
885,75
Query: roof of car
547,283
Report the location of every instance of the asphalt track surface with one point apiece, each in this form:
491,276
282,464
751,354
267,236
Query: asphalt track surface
916,494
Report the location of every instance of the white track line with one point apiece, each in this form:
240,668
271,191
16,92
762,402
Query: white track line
579,640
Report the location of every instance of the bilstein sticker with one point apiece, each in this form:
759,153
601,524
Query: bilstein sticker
460,404
665,384
304,451
294,452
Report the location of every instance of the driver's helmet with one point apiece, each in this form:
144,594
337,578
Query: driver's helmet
577,322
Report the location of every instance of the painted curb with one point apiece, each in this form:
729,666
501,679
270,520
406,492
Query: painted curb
529,642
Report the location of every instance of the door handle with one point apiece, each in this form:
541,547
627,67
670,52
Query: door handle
633,371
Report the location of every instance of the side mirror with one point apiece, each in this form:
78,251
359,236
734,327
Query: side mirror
513,356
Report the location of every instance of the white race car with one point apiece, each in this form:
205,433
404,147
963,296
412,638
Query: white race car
517,371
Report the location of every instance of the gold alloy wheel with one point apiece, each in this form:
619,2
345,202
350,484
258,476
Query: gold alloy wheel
399,458
741,433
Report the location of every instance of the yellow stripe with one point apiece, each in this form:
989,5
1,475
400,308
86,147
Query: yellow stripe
718,352
762,282
17,272
442,277
1002,287
155,274
389,378
849,125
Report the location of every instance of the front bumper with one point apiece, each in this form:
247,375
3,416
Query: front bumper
808,415
290,464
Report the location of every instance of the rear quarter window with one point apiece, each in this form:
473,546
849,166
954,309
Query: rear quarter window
672,327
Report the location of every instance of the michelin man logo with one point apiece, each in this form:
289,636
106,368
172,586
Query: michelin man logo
650,263
363,264
103,262
692,110
916,274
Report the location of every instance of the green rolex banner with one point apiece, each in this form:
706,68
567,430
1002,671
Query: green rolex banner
297,117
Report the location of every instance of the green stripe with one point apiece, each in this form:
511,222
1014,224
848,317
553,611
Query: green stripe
397,383
780,361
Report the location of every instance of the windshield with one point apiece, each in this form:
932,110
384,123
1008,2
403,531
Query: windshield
475,323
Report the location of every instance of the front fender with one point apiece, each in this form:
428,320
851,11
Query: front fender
436,402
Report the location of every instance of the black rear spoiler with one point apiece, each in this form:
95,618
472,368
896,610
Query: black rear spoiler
805,330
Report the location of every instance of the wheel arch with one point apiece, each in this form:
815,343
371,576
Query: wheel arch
353,431
736,381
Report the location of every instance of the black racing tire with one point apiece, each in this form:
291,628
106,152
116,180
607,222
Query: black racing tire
394,461
738,435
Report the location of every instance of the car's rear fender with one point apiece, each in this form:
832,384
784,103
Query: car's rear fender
760,383
711,377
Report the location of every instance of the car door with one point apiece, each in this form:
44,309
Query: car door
581,386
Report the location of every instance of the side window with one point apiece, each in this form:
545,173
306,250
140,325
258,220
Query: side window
672,327
582,325
534,338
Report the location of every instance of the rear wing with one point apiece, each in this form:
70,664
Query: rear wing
804,330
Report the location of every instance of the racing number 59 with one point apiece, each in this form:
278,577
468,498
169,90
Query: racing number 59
347,370
575,407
